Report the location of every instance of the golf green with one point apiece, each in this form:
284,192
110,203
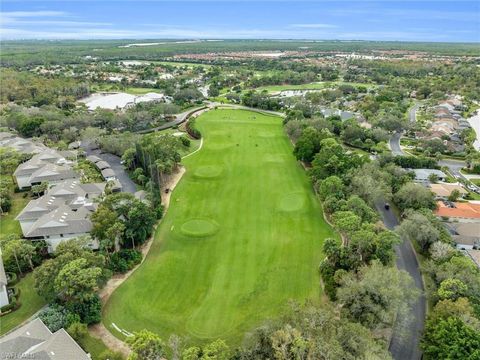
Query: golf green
242,236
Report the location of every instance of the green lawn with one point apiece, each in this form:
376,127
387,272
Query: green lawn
93,346
8,224
310,86
243,235
141,90
30,301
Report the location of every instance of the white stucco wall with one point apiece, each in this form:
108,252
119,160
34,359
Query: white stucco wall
53,241
3,296
22,181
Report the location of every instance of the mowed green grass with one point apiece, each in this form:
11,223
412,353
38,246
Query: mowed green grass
310,86
30,301
242,236
8,224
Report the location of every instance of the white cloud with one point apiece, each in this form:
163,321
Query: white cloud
29,14
314,26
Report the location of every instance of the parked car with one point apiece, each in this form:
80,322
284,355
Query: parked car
387,206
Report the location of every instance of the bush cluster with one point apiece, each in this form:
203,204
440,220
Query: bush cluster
192,130
124,260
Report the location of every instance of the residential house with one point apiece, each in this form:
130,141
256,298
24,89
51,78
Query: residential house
444,190
50,166
422,175
62,213
21,145
35,341
466,212
465,235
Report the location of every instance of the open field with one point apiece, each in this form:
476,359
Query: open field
309,86
31,303
182,64
243,235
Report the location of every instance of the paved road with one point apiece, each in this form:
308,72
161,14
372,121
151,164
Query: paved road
127,184
179,118
407,347
454,166
395,144
395,139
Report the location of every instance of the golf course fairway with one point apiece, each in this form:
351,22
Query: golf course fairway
242,236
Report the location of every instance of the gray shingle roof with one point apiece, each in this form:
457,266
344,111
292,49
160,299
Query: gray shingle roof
22,339
70,192
59,346
93,158
35,341
108,173
102,165
21,145
39,207
53,172
62,220
423,174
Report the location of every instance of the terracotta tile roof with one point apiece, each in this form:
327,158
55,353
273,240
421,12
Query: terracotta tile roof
461,210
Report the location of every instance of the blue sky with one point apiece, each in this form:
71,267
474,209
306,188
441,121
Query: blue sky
454,21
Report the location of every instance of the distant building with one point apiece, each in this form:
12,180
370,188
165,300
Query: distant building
35,341
151,96
423,175
21,145
113,101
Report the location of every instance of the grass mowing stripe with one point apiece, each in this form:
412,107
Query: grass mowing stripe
264,252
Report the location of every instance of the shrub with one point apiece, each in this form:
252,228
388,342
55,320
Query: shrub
12,278
55,317
15,292
185,141
89,312
327,272
8,307
159,212
192,130
77,331
125,260
110,355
